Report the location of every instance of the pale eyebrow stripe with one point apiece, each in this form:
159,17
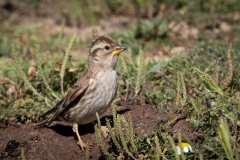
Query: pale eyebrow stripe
97,46
94,50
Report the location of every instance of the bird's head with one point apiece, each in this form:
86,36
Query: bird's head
104,53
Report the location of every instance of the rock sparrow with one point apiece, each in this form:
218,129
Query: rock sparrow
94,91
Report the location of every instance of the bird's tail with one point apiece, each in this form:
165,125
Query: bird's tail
45,123
50,119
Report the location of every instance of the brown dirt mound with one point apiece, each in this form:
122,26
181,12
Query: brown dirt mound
59,141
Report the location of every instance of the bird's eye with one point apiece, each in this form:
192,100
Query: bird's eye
107,47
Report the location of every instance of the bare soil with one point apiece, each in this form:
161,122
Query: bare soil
59,141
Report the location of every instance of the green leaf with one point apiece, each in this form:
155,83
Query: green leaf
208,80
158,66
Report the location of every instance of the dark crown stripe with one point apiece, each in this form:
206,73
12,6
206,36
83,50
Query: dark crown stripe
103,39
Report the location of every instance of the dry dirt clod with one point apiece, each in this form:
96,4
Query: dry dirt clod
12,147
105,131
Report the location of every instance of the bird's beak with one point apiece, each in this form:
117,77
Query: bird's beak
119,49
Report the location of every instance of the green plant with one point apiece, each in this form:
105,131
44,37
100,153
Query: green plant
65,61
158,152
133,77
42,74
181,98
124,141
209,83
173,147
28,98
21,74
225,139
139,79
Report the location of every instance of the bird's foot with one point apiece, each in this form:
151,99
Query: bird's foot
80,142
105,131
82,145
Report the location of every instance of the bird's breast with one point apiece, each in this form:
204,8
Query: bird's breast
106,83
97,98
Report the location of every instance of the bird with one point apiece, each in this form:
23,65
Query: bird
93,92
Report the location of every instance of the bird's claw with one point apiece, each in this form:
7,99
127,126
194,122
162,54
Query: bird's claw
82,145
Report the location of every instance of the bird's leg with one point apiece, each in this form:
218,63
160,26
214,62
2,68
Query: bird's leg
80,142
105,131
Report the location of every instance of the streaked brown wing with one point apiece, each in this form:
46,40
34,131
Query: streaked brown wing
76,92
